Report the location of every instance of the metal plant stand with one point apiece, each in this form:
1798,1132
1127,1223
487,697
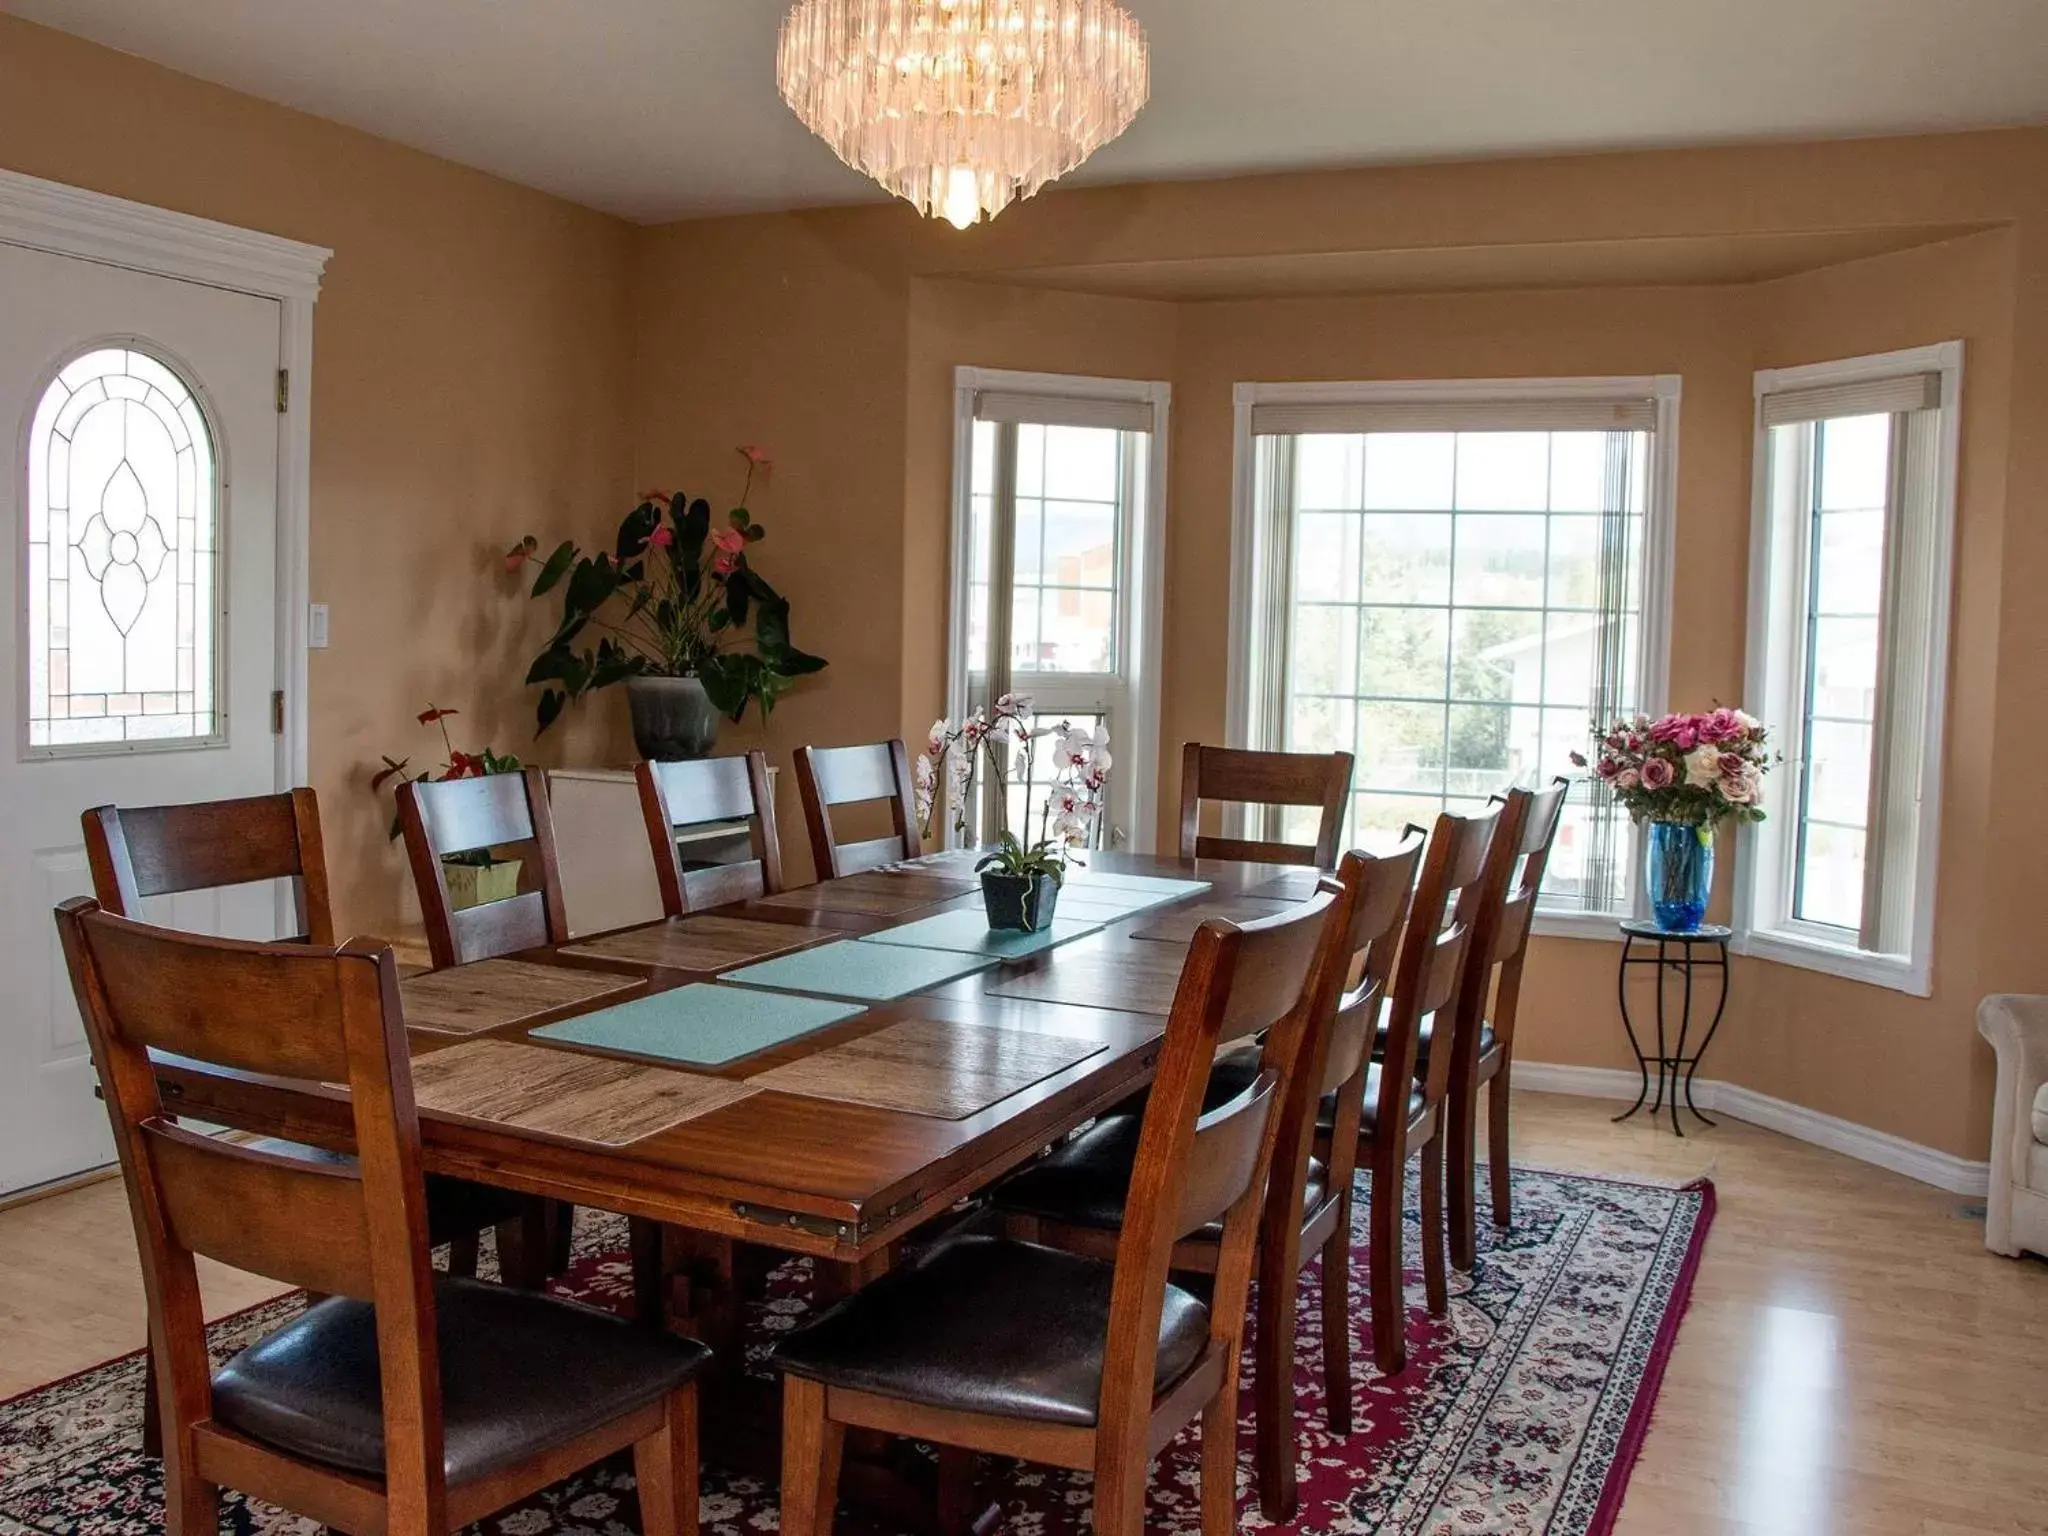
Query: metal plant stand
1678,955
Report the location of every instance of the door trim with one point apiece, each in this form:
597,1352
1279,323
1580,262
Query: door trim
92,226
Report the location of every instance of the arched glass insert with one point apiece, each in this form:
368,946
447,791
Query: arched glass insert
123,553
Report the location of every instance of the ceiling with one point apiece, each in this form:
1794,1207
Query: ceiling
660,109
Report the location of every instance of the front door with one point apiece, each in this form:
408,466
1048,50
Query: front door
138,492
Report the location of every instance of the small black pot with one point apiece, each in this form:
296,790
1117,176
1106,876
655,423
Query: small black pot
673,718
1019,903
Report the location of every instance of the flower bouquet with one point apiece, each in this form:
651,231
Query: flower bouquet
1020,881
1682,775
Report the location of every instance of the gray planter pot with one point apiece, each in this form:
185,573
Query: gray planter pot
673,718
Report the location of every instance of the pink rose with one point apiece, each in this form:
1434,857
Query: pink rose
1732,764
1628,778
1608,768
1657,774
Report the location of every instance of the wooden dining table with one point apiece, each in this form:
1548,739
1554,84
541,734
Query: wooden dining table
837,1143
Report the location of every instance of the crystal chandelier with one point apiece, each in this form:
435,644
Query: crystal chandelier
962,106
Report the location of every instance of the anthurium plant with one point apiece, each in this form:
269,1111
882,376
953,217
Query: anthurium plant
676,596
457,764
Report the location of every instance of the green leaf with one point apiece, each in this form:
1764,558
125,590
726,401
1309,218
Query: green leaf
636,528
551,703
557,563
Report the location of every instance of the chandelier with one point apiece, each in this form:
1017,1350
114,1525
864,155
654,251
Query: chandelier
963,106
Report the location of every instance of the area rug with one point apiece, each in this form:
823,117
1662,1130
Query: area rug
1521,1414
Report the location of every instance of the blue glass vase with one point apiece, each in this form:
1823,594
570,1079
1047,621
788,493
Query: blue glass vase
1678,872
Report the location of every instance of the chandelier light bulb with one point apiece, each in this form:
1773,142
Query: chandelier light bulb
961,107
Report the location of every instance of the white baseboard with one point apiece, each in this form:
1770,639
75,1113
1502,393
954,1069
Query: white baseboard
1944,1170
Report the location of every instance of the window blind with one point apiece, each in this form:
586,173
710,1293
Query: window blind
1063,410
1304,418
1905,392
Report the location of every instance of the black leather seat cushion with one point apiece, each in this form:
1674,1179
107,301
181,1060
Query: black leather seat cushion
1487,1042
1084,1182
519,1373
1369,1115
454,1206
987,1325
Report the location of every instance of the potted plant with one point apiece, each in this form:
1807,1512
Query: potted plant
1682,775
476,876
679,615
1020,882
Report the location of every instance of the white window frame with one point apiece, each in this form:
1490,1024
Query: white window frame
1659,516
1763,927
1135,746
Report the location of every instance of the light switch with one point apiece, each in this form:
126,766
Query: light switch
316,627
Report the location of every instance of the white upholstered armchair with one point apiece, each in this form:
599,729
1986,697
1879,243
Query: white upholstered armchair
2016,1216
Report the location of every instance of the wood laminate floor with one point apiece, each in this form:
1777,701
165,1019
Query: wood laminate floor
1854,1360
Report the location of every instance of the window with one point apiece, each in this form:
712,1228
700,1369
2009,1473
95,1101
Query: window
1056,570
1849,576
1452,582
122,573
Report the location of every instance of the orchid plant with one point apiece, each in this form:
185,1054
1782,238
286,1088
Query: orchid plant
1692,769
675,598
951,763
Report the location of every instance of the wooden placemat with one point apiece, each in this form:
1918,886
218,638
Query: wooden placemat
876,892
465,999
1136,978
1179,925
930,1067
565,1093
1295,885
709,942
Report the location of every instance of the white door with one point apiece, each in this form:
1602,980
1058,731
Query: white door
138,493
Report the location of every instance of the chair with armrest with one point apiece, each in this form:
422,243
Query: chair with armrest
1320,779
1013,1348
1484,1052
833,776
404,1402
683,794
1075,1196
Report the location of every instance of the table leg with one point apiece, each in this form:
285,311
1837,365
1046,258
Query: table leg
1629,1028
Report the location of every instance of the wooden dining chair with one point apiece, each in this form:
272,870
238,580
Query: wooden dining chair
684,794
460,816
1018,1349
1484,1052
1263,778
1393,1109
166,850
1075,1196
834,776
405,1402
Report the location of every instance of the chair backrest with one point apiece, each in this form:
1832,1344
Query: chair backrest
1263,778
830,776
1193,1168
356,1228
1507,892
461,815
687,794
1434,941
1382,888
161,850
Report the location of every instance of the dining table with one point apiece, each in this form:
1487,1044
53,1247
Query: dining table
822,1071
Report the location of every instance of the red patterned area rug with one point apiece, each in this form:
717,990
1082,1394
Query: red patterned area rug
1520,1413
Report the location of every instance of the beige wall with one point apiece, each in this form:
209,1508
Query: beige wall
471,349
492,361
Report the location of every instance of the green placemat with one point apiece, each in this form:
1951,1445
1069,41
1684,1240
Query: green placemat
968,933
875,972
702,1024
1157,886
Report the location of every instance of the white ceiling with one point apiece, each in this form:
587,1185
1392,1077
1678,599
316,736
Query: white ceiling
657,109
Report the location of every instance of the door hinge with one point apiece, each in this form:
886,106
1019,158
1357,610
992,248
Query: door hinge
277,712
284,390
